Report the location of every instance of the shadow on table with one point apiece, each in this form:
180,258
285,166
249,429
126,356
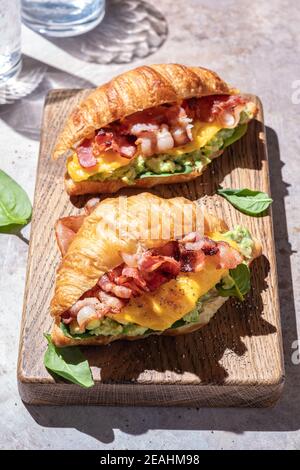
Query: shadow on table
100,422
130,29
26,96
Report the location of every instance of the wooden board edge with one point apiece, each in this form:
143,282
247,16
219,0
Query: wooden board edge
273,249
220,396
20,374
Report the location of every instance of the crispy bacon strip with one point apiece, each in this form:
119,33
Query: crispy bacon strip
149,263
228,257
109,286
112,139
155,279
91,204
196,251
148,271
66,229
113,303
84,310
85,154
155,116
159,129
133,274
208,108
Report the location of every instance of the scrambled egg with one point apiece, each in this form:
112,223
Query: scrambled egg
107,162
158,310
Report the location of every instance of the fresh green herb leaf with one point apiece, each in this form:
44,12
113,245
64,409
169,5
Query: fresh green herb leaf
150,174
240,283
238,134
247,201
178,324
15,206
69,363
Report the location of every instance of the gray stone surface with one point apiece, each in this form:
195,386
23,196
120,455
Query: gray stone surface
255,46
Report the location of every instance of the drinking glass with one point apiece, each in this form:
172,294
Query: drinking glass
10,39
62,18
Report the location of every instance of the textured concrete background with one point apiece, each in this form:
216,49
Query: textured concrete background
255,46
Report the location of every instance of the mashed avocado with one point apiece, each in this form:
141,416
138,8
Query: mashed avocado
166,165
161,165
242,237
134,330
108,327
194,314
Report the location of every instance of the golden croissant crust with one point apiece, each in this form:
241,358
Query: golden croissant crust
136,90
97,246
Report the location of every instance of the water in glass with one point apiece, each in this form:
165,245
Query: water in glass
62,18
10,39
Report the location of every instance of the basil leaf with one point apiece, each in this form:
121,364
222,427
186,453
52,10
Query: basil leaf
238,134
15,206
241,278
178,324
150,174
247,201
69,363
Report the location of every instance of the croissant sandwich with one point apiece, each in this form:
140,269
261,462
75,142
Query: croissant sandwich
155,124
126,275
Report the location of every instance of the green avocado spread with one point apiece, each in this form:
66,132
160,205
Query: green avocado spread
242,237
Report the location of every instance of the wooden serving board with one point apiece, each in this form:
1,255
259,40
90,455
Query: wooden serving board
236,360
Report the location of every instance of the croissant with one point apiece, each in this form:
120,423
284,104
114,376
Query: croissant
157,124
142,265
